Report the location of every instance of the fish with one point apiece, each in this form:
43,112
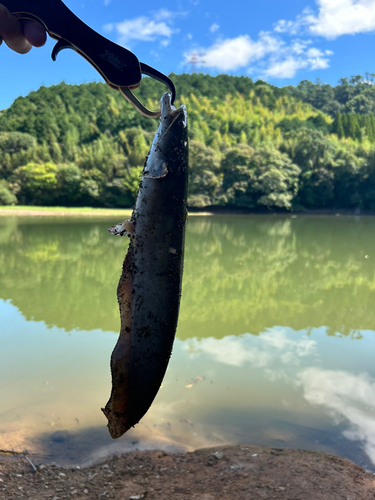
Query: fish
149,289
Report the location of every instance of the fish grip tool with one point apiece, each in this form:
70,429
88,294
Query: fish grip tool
119,67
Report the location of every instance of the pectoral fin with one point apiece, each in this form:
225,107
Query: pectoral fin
124,228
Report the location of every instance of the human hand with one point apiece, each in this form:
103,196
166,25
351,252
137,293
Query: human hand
20,36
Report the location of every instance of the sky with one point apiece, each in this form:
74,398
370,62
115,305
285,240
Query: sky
279,41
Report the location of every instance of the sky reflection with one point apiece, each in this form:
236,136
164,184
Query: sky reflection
261,351
348,398
270,389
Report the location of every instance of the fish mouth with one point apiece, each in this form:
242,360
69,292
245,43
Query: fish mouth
166,105
170,113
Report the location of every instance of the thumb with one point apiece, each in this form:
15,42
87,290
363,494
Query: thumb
11,32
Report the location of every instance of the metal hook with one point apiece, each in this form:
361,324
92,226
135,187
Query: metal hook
153,73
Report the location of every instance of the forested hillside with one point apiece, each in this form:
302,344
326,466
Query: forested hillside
251,144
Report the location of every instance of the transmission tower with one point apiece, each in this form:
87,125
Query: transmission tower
195,59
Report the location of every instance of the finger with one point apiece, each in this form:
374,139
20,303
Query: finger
11,32
34,33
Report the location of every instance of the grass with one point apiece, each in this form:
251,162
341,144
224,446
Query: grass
66,211
89,211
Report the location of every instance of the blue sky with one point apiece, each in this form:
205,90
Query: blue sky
280,41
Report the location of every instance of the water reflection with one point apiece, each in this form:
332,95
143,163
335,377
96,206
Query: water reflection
64,274
348,398
241,273
271,347
234,376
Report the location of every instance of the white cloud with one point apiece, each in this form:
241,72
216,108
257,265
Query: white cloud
313,52
299,46
289,67
163,14
234,53
290,27
107,2
341,17
298,55
269,56
145,28
334,18
292,58
214,27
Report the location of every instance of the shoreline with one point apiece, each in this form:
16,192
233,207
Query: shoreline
225,472
74,212
35,211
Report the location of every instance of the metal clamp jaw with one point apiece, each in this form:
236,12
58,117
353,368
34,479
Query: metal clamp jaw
118,66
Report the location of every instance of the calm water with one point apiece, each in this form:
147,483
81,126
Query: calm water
275,344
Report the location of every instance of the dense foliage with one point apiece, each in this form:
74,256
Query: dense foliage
352,95
251,144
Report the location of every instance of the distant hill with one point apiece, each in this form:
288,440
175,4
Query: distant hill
252,144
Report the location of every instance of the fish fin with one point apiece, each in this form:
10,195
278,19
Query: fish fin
156,175
124,228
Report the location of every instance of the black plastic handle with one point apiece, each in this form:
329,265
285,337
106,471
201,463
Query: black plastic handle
118,66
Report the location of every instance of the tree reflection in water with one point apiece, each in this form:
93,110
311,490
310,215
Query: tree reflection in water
242,273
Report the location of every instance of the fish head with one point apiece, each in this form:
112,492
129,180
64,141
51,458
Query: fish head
173,130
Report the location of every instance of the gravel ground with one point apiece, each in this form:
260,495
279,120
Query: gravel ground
225,473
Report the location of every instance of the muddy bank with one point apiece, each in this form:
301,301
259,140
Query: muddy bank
225,473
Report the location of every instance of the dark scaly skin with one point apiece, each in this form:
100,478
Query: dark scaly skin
149,290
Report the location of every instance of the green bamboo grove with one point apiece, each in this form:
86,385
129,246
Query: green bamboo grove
252,145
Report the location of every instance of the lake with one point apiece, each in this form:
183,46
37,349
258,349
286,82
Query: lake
275,344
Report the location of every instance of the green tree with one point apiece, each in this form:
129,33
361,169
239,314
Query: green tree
354,130
204,178
345,124
236,177
14,142
131,182
359,104
348,173
122,192
39,182
68,184
6,197
89,192
337,126
276,178
315,155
